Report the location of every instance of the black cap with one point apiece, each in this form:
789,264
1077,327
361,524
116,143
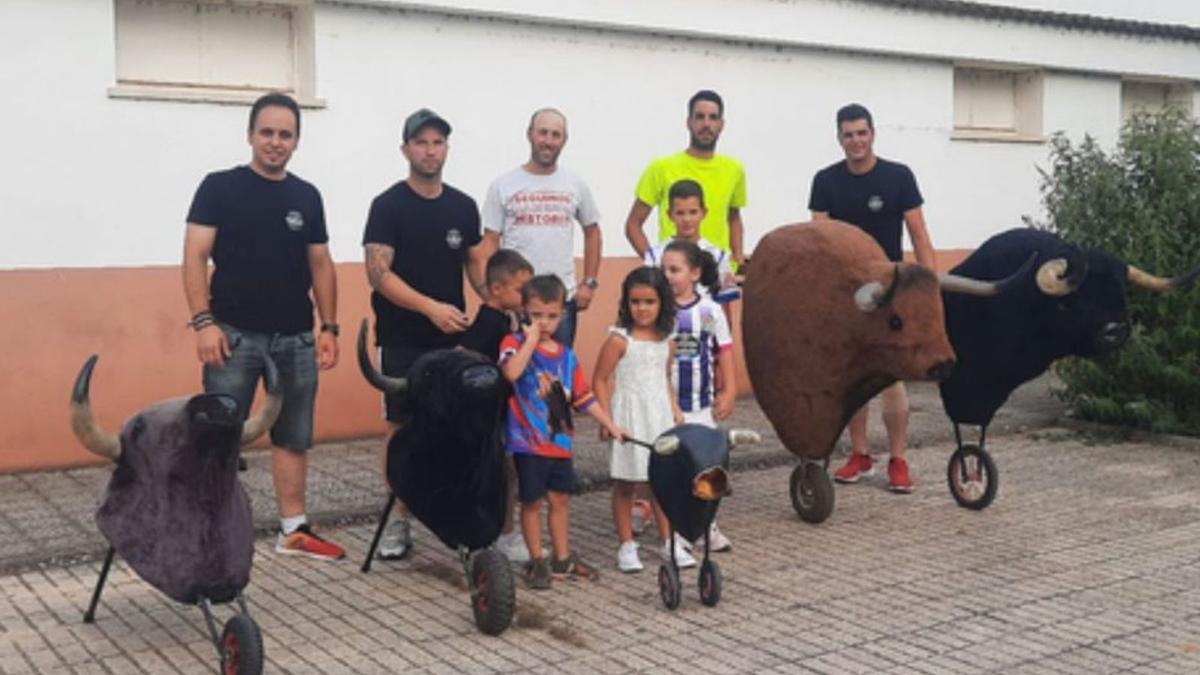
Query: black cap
421,119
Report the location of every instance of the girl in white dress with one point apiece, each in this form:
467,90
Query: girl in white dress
633,380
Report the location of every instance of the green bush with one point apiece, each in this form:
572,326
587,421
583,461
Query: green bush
1140,202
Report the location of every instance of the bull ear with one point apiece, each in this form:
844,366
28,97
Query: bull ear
743,436
83,423
1062,276
872,295
390,385
1161,284
953,283
265,419
666,445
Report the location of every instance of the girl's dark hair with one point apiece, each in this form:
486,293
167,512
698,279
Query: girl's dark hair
698,258
654,278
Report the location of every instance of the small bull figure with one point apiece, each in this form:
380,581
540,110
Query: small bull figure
830,322
446,464
689,474
1073,305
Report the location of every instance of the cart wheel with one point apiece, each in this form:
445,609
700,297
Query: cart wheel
812,492
241,647
668,585
710,583
493,593
972,477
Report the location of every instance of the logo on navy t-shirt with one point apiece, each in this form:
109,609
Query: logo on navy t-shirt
454,238
875,203
294,220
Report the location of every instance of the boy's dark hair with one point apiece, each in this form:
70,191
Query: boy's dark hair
654,278
852,112
698,258
706,95
277,100
546,288
684,188
504,265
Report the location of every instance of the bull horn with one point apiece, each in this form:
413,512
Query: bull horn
743,436
666,445
390,385
1161,284
872,295
953,283
265,418
83,423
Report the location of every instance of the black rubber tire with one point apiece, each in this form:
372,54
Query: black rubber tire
493,591
710,583
241,647
668,585
812,492
969,494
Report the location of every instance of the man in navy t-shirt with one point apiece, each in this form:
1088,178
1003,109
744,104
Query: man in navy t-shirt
876,195
264,229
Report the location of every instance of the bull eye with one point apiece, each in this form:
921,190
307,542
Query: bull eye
895,322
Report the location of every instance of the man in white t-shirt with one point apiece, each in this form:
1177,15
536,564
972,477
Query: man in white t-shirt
534,210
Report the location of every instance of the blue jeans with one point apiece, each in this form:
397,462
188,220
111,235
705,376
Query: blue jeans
295,357
565,335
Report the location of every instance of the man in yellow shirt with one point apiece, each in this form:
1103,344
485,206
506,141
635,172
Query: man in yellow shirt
723,180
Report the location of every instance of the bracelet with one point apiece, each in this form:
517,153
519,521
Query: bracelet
202,319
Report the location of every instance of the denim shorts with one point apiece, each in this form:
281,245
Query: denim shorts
295,357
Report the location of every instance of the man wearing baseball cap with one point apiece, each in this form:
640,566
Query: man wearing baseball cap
421,235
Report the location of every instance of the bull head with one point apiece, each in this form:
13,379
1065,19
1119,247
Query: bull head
108,445
384,383
872,295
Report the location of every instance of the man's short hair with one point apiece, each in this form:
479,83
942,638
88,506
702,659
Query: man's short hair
277,100
706,95
504,265
852,112
684,188
545,288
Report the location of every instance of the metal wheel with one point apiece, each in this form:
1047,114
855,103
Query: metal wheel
972,477
668,585
493,592
241,647
812,492
710,583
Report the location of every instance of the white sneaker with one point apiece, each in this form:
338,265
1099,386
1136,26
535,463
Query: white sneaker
717,541
627,557
682,558
512,545
396,541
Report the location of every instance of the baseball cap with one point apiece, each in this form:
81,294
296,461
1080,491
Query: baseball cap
421,119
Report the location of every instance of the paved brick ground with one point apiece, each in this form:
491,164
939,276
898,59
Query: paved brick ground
1088,562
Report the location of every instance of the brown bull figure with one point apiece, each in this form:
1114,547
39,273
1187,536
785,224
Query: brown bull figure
830,322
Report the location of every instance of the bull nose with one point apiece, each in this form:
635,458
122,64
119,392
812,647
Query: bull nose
1114,334
941,371
481,378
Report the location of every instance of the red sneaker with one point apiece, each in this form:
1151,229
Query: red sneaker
302,541
856,467
898,475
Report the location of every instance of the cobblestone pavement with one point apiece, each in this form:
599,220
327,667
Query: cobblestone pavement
1088,562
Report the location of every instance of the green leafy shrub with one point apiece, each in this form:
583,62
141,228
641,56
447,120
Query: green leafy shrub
1140,202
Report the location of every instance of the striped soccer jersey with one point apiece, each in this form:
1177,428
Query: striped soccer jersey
701,332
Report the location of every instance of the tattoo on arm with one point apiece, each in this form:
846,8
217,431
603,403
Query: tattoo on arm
379,263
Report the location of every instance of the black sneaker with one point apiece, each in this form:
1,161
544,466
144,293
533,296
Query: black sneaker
537,574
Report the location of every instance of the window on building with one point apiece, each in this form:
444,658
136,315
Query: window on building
997,104
1143,96
213,50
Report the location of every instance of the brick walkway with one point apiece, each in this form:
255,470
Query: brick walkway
1088,562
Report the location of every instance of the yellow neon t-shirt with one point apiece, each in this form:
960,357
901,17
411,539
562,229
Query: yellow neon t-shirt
723,181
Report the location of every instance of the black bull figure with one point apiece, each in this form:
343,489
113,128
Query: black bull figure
1073,305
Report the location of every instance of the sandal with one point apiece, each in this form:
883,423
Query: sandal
573,568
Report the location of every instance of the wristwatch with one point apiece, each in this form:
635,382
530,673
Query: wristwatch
331,328
591,282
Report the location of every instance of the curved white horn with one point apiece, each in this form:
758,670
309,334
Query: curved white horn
666,445
743,437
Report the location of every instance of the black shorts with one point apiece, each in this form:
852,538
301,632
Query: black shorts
395,362
538,475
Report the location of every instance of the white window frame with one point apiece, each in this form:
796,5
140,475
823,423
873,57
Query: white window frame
1026,126
303,56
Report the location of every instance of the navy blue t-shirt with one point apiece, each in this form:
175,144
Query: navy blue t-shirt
430,238
489,329
874,201
261,280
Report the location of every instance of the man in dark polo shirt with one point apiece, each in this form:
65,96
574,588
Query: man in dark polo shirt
421,235
876,195
264,229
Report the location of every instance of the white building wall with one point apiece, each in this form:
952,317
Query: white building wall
94,181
